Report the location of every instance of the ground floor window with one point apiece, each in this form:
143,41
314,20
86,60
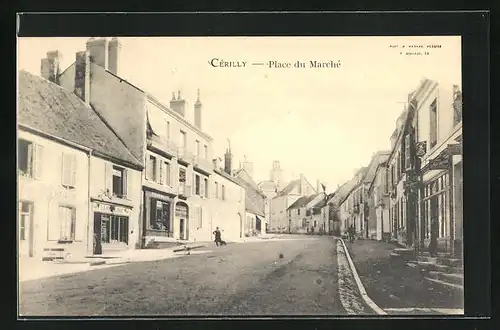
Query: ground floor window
435,207
114,229
160,217
25,214
67,223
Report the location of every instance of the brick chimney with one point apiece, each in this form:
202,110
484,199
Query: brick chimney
98,49
50,69
82,76
228,158
197,111
302,185
178,104
114,51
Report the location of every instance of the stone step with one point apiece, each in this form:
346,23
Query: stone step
446,284
430,266
450,262
435,275
427,259
452,278
404,251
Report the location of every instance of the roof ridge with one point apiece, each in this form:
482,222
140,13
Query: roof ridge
108,126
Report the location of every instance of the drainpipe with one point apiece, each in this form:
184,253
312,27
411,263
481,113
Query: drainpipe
90,236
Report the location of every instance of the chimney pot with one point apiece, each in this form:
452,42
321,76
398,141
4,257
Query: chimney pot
50,66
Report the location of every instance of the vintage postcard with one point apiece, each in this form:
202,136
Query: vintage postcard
219,176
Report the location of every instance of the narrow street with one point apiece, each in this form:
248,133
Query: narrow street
238,279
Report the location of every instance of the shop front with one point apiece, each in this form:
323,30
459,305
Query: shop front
441,205
111,227
158,217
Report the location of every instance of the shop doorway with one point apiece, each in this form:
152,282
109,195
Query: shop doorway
109,230
181,212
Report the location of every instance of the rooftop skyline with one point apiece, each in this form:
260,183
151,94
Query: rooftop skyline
324,123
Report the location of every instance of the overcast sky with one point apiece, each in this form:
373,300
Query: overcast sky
323,122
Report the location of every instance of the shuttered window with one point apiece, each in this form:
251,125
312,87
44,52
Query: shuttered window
408,151
68,170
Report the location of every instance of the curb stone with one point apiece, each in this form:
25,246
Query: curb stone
361,288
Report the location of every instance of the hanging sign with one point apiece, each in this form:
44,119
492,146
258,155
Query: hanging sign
421,148
441,163
454,149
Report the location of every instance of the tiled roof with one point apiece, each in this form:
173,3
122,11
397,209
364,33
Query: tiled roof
378,158
302,201
289,187
229,177
51,109
267,185
323,201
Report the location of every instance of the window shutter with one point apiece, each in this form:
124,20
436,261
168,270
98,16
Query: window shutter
202,187
125,183
73,170
66,169
37,161
148,167
161,172
74,225
54,225
158,171
108,178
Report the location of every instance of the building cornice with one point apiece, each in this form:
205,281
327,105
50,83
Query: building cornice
175,115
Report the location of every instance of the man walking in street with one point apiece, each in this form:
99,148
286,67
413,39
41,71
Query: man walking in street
217,236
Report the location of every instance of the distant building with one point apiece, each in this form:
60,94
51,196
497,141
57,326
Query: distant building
284,199
255,204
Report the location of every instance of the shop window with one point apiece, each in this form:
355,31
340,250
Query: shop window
29,159
160,215
114,229
26,212
433,123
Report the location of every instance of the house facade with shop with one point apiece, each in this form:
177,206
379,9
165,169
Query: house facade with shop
437,139
77,183
178,182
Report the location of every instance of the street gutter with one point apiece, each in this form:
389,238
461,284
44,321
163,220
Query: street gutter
360,285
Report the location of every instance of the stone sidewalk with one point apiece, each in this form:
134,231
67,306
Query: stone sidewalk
400,290
34,268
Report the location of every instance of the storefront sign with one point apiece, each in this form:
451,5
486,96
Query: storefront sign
110,208
181,211
441,163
